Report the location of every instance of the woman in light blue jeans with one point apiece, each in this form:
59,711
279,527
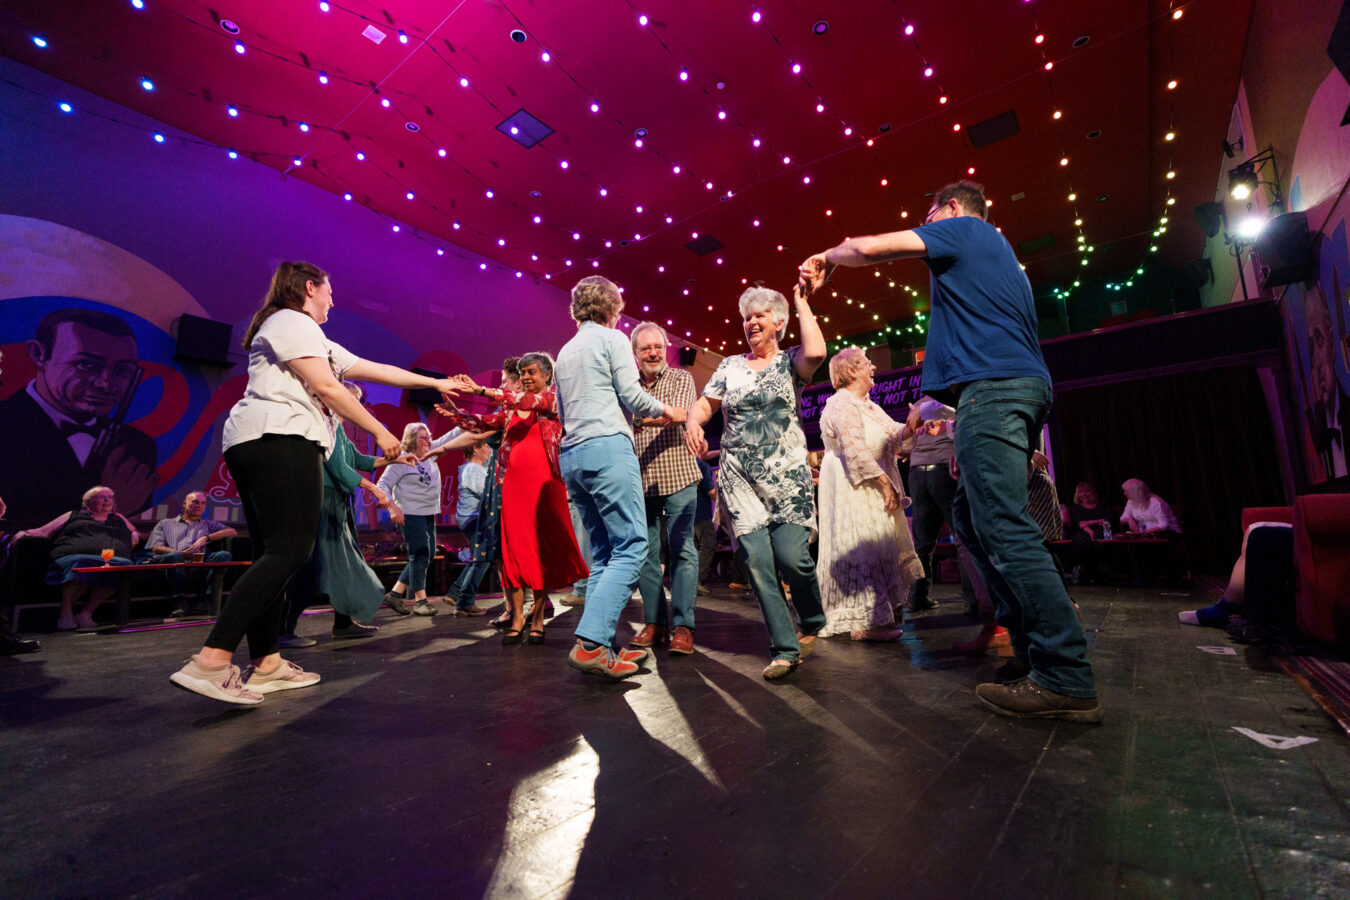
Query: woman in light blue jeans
597,380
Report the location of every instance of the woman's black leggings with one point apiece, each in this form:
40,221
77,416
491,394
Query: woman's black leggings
280,482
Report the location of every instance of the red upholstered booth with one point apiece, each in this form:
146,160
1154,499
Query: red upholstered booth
1322,558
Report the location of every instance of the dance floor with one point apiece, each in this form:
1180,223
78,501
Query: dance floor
433,762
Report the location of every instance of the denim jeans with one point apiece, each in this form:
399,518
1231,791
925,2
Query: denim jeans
784,547
932,490
583,544
177,578
465,589
677,510
998,424
605,483
419,533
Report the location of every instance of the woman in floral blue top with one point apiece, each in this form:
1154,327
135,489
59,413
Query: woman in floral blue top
764,480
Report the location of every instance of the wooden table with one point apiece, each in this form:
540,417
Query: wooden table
1132,545
124,574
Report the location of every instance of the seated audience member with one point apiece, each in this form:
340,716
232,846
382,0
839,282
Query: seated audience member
175,540
10,643
82,538
1146,512
1271,546
1089,522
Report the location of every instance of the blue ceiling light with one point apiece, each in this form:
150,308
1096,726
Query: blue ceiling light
39,41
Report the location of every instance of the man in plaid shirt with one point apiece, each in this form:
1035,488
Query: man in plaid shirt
670,478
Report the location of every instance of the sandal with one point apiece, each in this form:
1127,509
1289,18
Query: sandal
806,647
512,637
780,668
536,636
502,621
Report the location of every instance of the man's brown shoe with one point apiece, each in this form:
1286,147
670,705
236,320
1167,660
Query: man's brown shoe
1028,700
682,641
649,636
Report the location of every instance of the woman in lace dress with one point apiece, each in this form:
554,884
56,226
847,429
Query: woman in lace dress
867,559
764,481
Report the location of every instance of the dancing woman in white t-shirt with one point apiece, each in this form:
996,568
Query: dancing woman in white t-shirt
275,441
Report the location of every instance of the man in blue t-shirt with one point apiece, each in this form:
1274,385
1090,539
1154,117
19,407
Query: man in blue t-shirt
983,358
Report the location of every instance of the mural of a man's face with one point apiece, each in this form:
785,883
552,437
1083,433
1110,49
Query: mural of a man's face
1322,368
86,372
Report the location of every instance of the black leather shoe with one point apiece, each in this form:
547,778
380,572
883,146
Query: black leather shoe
13,645
354,630
918,597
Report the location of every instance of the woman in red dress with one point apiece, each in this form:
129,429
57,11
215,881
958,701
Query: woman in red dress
539,549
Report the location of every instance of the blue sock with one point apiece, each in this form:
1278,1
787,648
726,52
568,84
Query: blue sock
1215,616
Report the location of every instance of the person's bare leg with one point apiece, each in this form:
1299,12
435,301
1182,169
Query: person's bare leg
97,595
1236,591
515,605
70,592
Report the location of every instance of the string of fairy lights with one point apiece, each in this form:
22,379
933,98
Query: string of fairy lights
1085,248
368,150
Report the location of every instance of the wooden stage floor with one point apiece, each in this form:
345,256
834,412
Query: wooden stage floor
433,762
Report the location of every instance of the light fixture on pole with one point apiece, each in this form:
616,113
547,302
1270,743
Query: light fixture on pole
1244,178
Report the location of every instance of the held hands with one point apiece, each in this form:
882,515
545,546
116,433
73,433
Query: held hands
814,271
395,514
675,415
694,440
388,444
460,384
447,406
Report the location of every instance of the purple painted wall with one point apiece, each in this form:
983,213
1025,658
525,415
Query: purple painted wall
219,226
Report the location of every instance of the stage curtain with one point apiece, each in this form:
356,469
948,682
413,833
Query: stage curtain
1201,440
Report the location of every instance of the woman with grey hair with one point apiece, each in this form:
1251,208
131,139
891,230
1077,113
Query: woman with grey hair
539,550
764,480
867,559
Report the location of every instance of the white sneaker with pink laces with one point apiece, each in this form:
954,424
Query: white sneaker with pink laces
220,682
285,676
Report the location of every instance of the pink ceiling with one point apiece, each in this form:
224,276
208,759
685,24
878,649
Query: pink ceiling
864,71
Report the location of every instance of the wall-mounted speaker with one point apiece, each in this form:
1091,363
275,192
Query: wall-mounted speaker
425,396
1285,250
203,341
1208,216
688,355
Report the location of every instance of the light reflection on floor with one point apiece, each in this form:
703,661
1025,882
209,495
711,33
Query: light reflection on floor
549,815
660,716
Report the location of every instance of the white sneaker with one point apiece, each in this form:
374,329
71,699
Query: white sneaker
220,682
287,676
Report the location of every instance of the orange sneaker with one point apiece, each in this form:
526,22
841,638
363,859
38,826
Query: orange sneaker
600,661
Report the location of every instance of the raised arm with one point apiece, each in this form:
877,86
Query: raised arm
861,251
813,342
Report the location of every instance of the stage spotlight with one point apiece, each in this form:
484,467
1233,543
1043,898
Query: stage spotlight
1249,228
1242,181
